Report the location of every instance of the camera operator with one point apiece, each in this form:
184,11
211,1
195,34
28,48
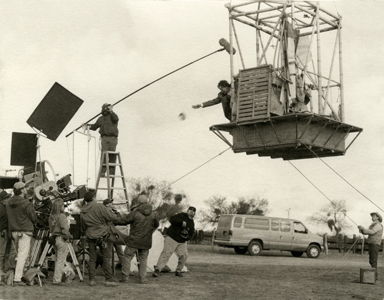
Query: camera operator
95,218
109,132
21,219
59,229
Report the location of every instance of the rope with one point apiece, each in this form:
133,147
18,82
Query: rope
190,173
345,179
320,191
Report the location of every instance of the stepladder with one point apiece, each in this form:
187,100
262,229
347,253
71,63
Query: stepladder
111,168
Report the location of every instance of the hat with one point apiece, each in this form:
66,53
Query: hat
19,185
88,197
192,208
107,201
139,200
378,215
105,105
4,195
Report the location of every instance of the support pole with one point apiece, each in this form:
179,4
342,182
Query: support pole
319,85
342,112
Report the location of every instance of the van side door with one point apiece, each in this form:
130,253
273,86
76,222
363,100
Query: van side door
286,231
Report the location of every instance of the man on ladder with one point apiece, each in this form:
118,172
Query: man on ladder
109,132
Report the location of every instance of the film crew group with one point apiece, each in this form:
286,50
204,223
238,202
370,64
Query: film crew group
107,122
375,235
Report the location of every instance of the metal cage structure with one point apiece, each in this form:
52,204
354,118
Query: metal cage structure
287,71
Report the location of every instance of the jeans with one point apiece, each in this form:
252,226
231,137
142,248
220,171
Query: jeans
23,244
7,253
170,246
61,248
107,256
373,255
109,143
121,256
142,257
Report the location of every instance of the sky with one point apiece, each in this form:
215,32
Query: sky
103,51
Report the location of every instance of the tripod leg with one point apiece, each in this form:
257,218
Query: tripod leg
75,261
33,252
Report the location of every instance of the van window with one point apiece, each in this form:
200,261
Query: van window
237,222
299,227
253,223
285,226
275,225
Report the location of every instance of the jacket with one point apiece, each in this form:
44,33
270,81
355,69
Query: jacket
225,100
174,231
143,223
3,215
94,218
21,215
375,232
59,226
107,124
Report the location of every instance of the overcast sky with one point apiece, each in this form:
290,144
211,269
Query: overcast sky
104,50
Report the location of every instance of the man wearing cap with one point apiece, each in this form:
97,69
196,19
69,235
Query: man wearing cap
181,230
143,223
21,220
95,221
7,251
109,132
375,235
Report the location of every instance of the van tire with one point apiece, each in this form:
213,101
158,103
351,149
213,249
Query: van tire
313,251
241,250
297,253
254,248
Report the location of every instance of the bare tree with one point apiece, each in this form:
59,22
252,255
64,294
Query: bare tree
217,206
333,215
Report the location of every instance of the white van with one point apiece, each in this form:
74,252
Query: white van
253,234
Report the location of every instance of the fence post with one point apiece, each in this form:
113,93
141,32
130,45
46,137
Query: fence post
325,243
354,243
345,248
362,245
213,239
339,239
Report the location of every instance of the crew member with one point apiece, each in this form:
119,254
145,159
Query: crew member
180,231
109,132
58,226
223,97
143,223
7,251
95,218
375,235
21,219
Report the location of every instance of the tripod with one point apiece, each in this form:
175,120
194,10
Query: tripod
36,271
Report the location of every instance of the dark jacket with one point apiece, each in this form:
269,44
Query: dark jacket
174,231
107,124
3,215
143,223
94,219
21,215
225,100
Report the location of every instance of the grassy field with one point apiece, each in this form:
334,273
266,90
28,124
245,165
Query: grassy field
219,273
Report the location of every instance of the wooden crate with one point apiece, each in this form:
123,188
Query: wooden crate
257,95
368,275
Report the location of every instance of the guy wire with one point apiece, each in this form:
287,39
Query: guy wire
344,179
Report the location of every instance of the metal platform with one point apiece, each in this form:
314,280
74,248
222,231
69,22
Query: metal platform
292,136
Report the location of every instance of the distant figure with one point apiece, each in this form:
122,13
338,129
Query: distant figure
375,235
180,231
223,97
109,132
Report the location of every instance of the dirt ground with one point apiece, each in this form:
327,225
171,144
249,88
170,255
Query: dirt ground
222,274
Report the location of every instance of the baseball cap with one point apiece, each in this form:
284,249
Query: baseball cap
3,195
19,185
192,208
